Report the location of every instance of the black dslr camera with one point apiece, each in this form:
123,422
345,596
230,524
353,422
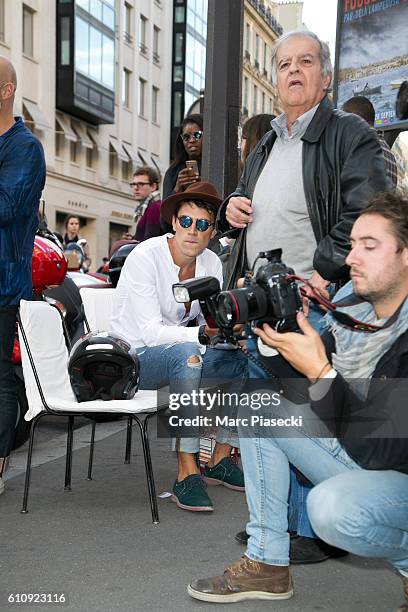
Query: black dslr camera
271,297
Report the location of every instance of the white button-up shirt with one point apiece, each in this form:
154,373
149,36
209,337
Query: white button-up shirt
145,312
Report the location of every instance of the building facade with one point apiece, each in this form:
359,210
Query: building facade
189,59
264,22
94,83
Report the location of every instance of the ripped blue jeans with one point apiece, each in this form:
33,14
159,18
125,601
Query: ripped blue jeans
171,364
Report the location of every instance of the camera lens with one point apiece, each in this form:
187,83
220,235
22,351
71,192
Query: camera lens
241,305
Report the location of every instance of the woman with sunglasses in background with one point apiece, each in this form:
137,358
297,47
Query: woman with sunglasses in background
188,147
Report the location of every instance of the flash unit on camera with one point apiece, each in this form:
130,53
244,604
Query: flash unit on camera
181,294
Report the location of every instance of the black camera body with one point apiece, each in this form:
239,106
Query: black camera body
272,296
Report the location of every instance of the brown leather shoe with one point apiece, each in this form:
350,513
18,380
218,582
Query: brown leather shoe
404,607
245,579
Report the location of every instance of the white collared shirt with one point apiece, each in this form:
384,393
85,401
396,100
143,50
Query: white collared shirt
145,312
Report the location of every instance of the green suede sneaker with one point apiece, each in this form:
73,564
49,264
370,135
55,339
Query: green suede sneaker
191,494
226,473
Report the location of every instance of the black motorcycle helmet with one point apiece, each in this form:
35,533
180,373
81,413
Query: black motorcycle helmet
118,258
102,367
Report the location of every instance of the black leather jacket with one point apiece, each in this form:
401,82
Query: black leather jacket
343,167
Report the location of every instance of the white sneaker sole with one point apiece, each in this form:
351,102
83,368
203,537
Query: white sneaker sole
191,508
236,597
214,482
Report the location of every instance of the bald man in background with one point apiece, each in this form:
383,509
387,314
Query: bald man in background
22,178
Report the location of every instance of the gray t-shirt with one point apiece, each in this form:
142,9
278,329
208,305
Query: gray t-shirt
281,218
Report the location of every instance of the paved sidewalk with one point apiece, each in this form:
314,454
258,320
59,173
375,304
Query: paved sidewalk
97,545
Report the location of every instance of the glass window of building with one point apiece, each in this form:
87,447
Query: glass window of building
65,41
90,157
195,56
263,102
126,76
74,151
143,34
178,106
28,31
59,141
246,93
255,101
179,56
155,104
108,61
265,59
108,15
127,23
94,53
156,44
142,98
127,170
248,38
257,49
113,162
179,14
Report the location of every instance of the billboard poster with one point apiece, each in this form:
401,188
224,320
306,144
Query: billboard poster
372,57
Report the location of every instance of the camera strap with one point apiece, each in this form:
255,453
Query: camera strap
342,317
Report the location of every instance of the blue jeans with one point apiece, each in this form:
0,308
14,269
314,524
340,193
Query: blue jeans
8,392
366,512
168,365
297,511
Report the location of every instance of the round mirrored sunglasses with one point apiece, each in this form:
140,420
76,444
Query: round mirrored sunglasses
202,225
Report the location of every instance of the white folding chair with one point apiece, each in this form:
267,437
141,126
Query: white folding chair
96,309
44,359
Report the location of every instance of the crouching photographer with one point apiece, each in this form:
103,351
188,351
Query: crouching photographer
356,374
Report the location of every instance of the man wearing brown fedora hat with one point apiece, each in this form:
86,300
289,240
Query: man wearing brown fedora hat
170,338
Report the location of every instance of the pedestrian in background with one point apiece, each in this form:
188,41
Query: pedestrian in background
187,148
145,189
253,130
361,106
22,178
72,227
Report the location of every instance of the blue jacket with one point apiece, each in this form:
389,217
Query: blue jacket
22,178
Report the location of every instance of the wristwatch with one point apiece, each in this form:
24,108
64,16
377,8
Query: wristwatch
203,338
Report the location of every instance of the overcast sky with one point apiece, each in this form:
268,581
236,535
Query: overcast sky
320,16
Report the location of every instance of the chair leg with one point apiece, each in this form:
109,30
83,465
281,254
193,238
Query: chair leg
28,467
149,468
128,439
91,451
68,463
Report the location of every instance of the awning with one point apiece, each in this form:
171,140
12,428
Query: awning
66,127
38,117
130,152
82,133
115,144
142,159
94,136
154,162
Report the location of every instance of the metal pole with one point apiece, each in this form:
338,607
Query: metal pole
222,104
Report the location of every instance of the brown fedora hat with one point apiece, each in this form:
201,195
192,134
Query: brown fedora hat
205,192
